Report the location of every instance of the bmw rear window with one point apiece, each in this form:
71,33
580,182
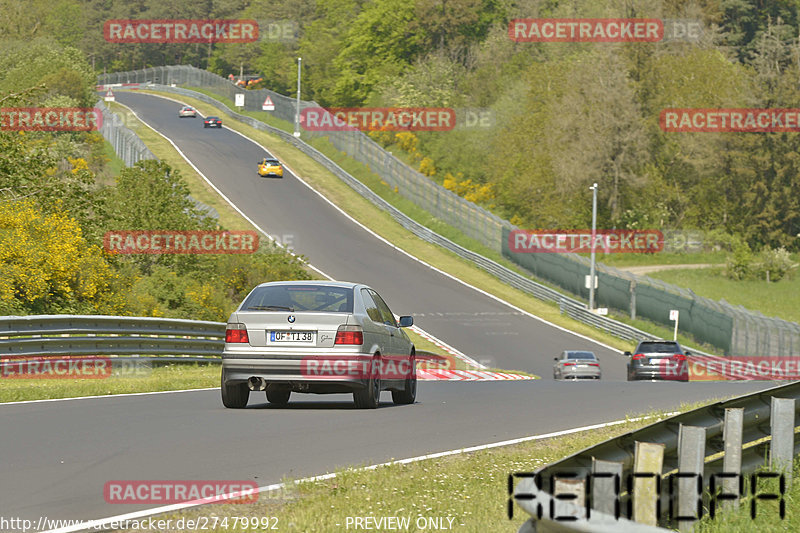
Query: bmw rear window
314,298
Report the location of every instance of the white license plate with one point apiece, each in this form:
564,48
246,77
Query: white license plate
298,337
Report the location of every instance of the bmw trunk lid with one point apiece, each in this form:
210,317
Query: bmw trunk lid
292,330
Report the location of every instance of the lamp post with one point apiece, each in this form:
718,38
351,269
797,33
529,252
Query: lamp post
594,234
297,107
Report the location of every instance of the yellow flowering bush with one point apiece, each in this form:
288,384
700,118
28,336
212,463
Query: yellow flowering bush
78,164
427,167
474,192
407,141
44,257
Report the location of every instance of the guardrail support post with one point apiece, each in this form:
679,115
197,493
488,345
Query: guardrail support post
781,448
691,455
605,486
732,461
571,494
646,480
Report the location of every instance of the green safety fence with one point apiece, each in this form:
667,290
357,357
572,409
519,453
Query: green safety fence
653,303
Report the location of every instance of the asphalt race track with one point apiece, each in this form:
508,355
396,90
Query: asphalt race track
58,455
473,323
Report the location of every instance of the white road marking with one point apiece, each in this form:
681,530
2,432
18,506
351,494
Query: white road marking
103,522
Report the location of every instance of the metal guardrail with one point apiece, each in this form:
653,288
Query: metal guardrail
131,149
570,306
471,219
42,335
127,145
717,443
752,332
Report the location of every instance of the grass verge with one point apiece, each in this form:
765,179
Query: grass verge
768,518
383,224
779,298
168,377
468,488
161,378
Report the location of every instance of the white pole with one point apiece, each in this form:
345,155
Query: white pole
297,108
675,334
594,233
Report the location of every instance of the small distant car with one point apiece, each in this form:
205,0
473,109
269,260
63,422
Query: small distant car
576,364
187,111
270,167
212,122
320,337
658,359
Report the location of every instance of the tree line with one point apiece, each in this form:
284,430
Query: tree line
565,115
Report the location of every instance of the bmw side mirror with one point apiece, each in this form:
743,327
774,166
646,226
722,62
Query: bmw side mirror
406,321
687,352
626,353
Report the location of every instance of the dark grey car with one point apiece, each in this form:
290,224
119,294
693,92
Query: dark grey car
318,337
576,364
658,359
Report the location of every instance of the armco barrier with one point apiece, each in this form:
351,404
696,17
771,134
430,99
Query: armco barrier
574,308
719,442
131,149
472,219
43,335
734,330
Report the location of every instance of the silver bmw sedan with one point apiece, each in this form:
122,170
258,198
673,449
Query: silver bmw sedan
319,337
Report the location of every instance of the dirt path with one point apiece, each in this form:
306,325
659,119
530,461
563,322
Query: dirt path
646,269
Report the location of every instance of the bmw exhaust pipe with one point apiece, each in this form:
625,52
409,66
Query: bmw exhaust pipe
255,383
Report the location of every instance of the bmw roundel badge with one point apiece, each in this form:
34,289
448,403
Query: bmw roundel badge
291,319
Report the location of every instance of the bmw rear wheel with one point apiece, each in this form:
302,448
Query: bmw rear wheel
409,394
370,396
234,395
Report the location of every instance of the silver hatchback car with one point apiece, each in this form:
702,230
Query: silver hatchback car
320,337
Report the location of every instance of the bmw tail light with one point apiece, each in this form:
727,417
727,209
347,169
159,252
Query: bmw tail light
569,364
236,333
349,335
594,364
638,356
679,357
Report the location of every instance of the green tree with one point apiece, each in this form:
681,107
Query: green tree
151,195
380,44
